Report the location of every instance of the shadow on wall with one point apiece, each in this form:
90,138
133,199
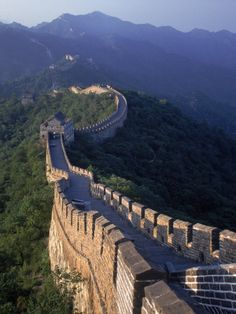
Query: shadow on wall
122,281
212,286
107,128
117,271
196,241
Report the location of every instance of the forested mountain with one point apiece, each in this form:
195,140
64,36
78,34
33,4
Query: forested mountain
26,199
217,48
157,60
130,61
168,162
159,158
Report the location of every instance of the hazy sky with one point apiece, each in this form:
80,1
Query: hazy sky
181,14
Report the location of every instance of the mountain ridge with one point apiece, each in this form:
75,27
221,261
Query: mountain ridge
160,61
190,43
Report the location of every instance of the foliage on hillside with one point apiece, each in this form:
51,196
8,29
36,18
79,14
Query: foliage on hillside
204,109
167,162
63,76
159,158
26,285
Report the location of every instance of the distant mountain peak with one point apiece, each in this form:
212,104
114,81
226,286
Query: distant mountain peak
13,25
17,25
98,13
66,16
198,30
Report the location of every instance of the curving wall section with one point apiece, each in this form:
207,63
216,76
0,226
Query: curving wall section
107,128
196,241
53,174
117,278
116,275
214,287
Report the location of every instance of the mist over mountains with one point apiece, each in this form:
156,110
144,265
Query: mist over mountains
197,69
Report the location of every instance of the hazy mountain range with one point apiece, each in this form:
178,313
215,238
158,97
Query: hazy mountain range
197,69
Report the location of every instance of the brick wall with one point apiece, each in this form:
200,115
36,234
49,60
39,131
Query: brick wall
107,127
159,298
212,286
120,279
53,174
99,250
196,241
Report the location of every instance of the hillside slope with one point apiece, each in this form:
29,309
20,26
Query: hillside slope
214,48
26,282
168,162
159,61
124,54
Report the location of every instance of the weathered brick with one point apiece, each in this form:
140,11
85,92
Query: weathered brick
164,228
137,213
164,300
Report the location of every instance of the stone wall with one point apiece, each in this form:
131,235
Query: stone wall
107,128
118,278
115,274
196,241
159,298
74,169
87,242
212,286
53,174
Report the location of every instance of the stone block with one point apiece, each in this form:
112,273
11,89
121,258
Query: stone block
137,214
116,201
163,300
108,196
125,207
164,229
182,236
92,216
228,246
150,221
101,190
70,210
205,242
137,265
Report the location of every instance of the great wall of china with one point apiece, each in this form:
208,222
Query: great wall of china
107,127
134,259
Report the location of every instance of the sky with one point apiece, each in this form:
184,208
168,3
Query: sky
184,15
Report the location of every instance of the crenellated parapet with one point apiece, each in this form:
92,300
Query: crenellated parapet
214,287
118,278
74,169
116,274
53,174
211,286
196,241
107,128
94,246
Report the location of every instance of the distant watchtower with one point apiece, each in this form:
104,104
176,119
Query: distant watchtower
55,125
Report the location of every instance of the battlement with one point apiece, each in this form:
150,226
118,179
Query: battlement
196,241
106,128
120,272
211,286
118,278
53,174
89,243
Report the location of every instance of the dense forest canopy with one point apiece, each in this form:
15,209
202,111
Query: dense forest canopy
26,285
167,162
159,158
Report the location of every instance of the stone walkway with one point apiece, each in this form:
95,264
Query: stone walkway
154,252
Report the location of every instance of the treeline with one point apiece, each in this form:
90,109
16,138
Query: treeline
26,283
167,162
